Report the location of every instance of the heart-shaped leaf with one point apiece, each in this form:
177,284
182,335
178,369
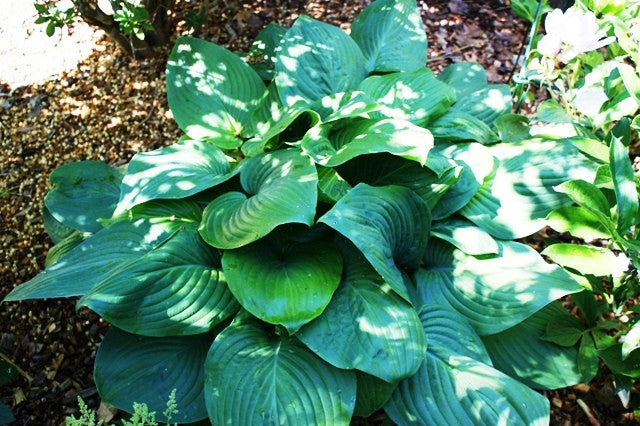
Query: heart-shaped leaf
493,293
416,96
388,224
457,385
465,236
464,77
521,352
110,250
82,193
176,171
262,55
365,136
455,126
367,326
391,35
316,59
372,394
255,377
384,169
176,289
283,282
212,92
282,188
514,203
131,368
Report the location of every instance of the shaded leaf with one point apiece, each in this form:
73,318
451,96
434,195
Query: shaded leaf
283,282
131,368
255,377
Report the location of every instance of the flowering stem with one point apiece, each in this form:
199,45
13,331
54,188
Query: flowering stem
521,79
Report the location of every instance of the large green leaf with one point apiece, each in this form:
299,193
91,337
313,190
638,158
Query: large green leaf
365,136
212,92
372,394
417,96
316,59
476,164
465,236
486,104
391,35
262,55
367,326
521,194
63,247
253,376
598,261
624,185
385,169
493,293
176,289
449,332
464,77
521,352
282,188
82,193
389,225
283,282
457,126
454,387
578,221
131,368
176,171
110,250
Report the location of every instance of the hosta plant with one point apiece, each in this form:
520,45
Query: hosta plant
333,235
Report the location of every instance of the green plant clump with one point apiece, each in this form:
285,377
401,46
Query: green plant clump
333,235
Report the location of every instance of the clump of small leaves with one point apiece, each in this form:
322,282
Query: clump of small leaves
333,234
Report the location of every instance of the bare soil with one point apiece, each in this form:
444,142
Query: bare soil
108,107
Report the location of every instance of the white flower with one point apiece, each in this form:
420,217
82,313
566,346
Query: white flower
589,100
571,33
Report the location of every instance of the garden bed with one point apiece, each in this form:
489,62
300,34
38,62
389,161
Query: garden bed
111,107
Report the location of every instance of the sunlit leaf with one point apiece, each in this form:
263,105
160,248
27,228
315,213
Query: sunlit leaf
514,203
392,36
391,232
598,261
624,185
367,326
212,92
464,77
493,292
416,96
176,171
361,137
316,59
82,193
